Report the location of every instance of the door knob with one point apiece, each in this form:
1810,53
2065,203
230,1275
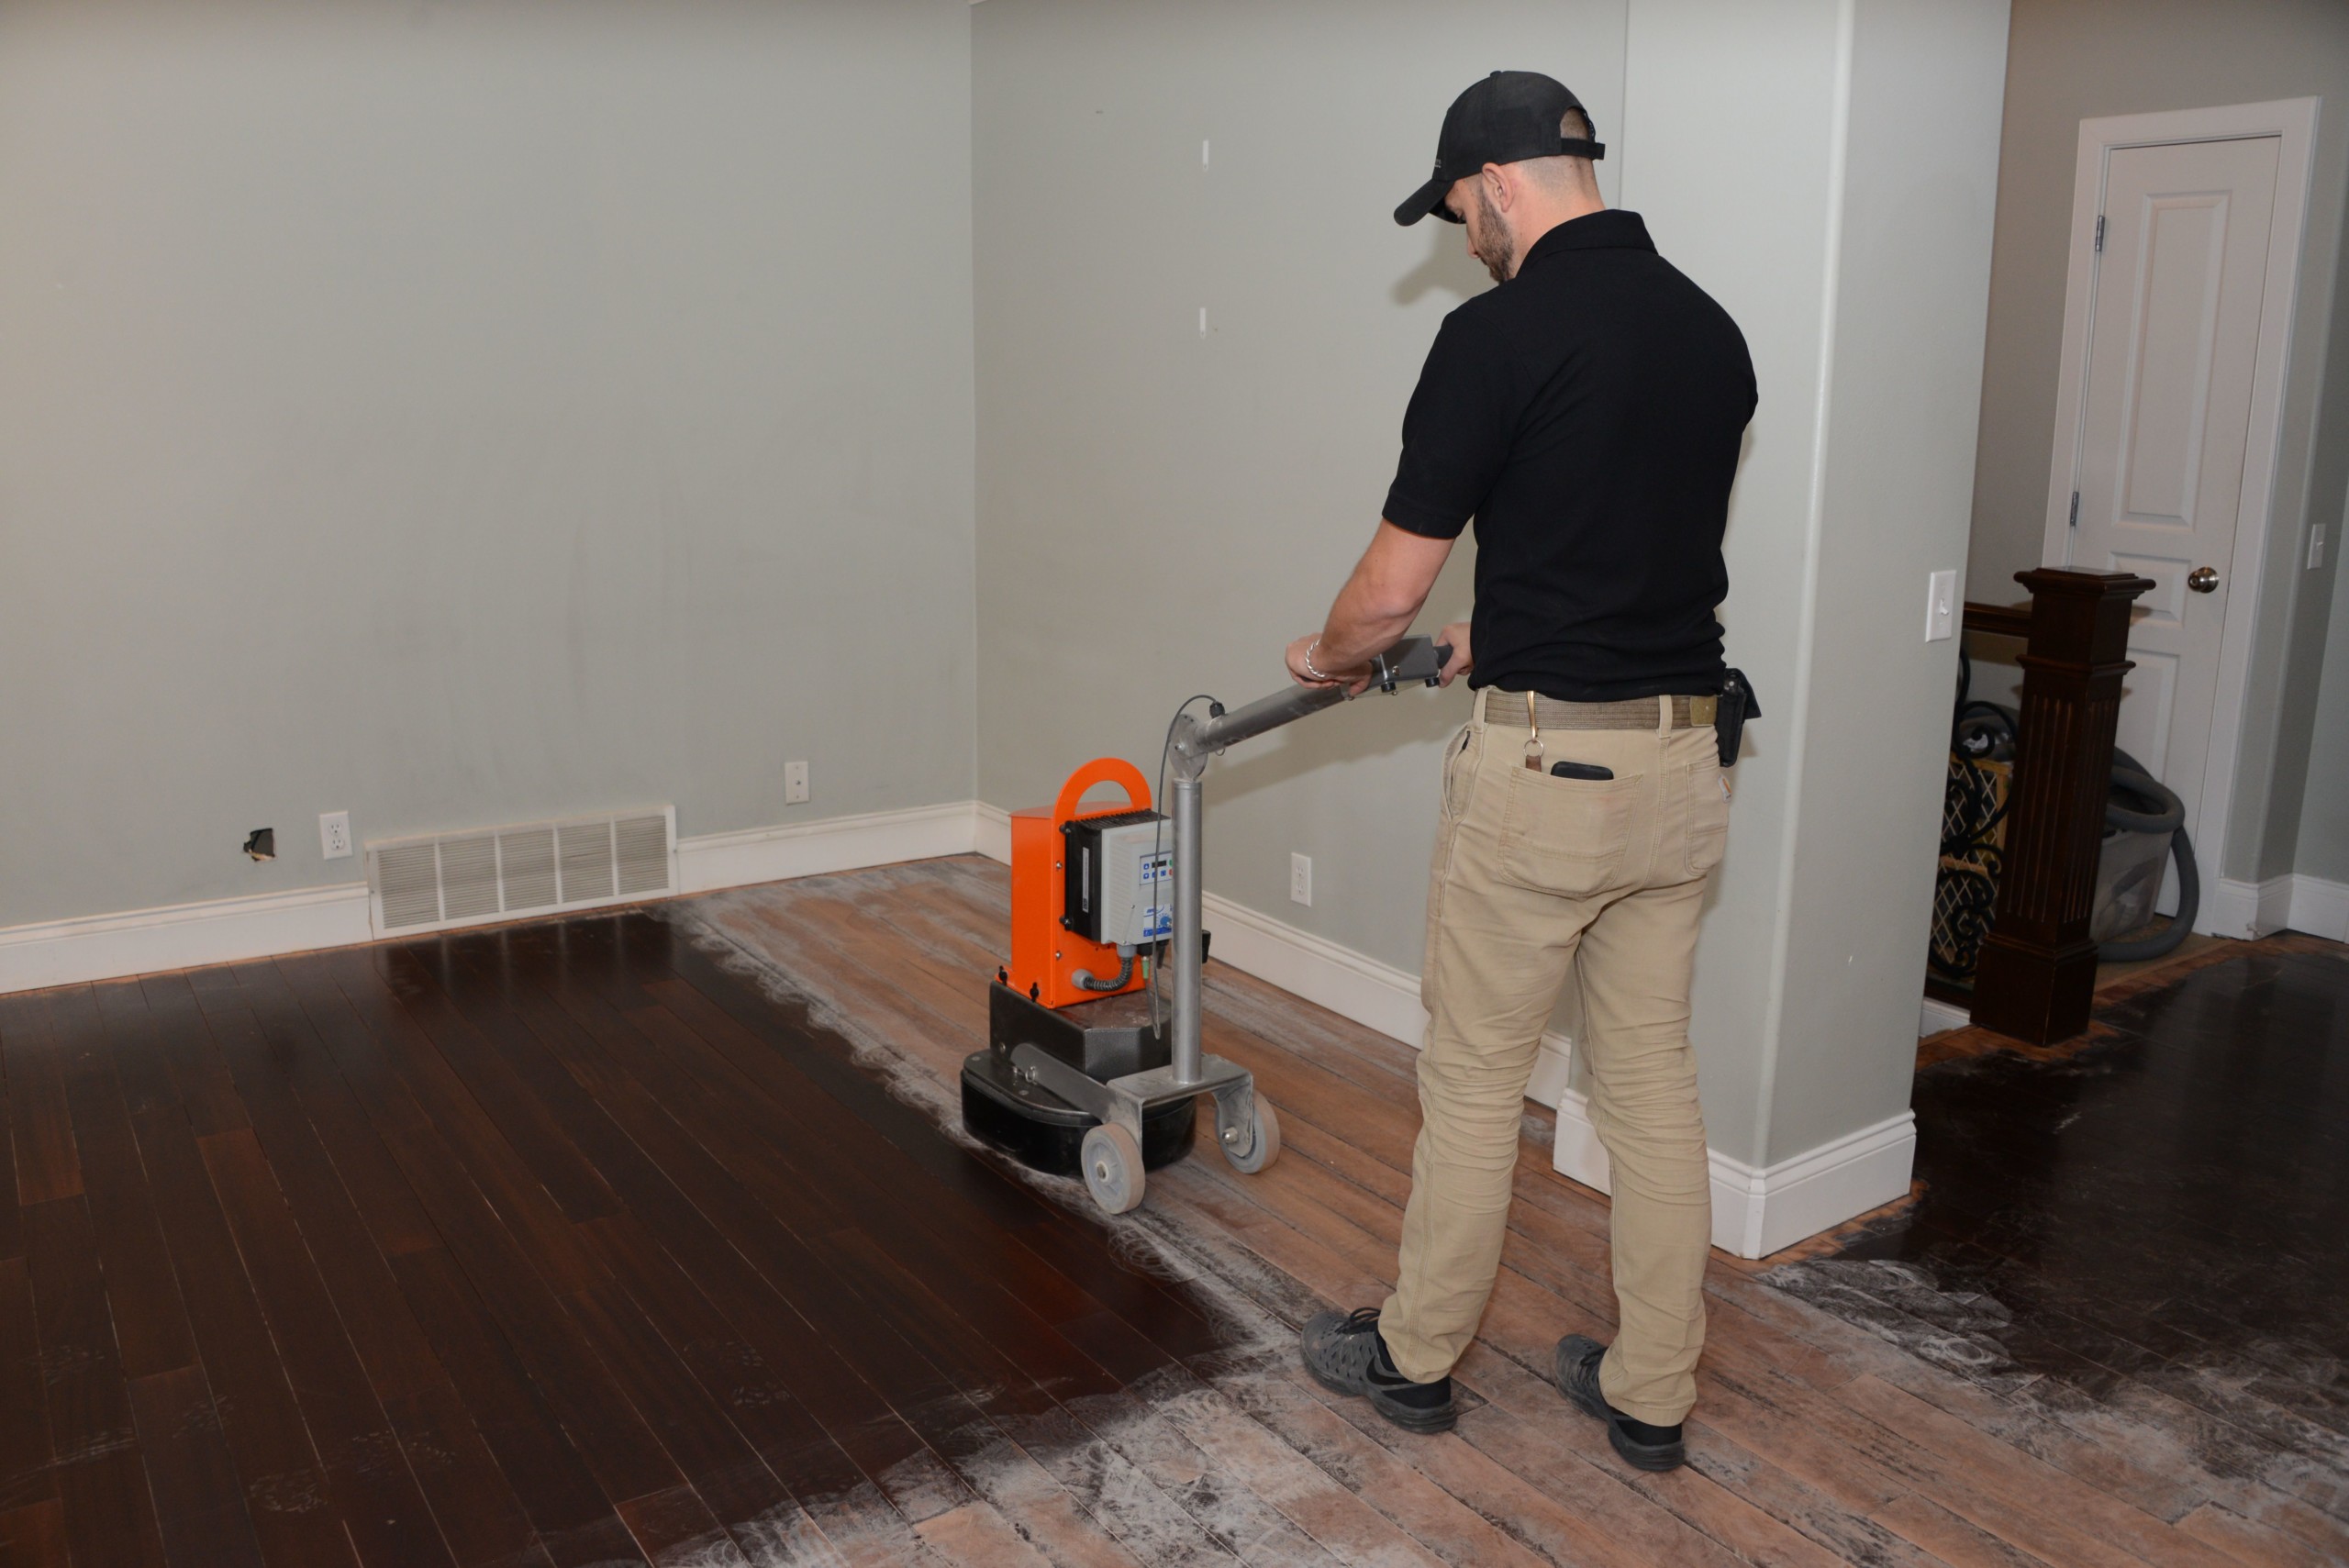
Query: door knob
2202,580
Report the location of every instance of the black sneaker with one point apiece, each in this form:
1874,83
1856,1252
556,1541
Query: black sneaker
1345,1354
1642,1446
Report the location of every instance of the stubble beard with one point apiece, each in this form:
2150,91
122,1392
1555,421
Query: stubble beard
1494,230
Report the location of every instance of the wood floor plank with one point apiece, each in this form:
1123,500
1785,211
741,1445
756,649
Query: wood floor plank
380,1501
150,1320
975,1536
199,1509
24,1433
33,1536
2255,1544
576,1523
109,1516
724,1472
285,1483
528,1124
676,1529
40,1123
160,1013
472,1503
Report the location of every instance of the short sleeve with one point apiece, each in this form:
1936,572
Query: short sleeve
1456,431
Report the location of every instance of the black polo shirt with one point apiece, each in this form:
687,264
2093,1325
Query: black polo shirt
1587,414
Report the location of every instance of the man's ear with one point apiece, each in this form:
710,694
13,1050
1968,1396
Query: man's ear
1497,186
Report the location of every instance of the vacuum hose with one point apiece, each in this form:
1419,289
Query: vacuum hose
2132,787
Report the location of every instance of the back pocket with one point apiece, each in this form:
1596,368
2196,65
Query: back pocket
1564,835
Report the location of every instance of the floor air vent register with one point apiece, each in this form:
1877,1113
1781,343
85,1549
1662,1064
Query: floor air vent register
500,874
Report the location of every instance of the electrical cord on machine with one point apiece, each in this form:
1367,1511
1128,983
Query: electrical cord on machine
1158,842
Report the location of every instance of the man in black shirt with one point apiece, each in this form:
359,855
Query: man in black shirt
1587,414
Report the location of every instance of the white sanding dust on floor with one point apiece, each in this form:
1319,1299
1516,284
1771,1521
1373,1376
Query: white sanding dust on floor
1866,1369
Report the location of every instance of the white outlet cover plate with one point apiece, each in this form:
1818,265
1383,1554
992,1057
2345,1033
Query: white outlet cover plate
1300,880
334,835
795,783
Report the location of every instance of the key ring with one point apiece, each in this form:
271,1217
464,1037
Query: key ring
1533,749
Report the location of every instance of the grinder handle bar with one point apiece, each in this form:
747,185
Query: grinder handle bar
1418,659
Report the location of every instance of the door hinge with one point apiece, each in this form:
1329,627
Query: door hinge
2075,520
2100,234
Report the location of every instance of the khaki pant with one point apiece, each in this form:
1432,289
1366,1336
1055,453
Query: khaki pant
1535,876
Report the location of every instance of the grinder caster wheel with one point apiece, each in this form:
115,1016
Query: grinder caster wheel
1112,1165
1256,1143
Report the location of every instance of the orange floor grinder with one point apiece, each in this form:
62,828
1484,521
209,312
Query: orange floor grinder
1093,1064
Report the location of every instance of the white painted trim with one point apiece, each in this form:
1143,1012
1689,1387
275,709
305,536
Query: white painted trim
1351,984
181,936
229,930
991,825
2320,908
2293,121
711,860
1933,1018
2247,910
1760,1210
1756,1211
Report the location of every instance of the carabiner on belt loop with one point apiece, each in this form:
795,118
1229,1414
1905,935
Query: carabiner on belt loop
1533,741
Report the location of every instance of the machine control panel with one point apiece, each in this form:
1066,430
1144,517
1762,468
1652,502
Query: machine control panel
1120,869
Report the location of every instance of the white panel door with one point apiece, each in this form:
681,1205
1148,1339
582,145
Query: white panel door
2173,342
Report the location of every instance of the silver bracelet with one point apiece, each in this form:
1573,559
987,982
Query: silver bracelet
1308,661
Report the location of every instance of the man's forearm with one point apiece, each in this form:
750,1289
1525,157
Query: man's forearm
1381,598
1359,626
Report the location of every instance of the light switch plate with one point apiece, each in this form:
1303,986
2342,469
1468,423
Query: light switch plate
1940,606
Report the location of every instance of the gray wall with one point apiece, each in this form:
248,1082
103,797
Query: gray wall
458,414
1158,513
1859,271
2073,60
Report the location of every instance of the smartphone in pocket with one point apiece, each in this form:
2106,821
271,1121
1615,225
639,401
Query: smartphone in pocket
1580,770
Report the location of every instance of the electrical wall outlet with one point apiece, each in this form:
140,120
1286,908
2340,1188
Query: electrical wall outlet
1300,880
795,783
1940,606
334,835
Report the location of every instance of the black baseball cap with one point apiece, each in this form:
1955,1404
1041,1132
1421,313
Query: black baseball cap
1508,116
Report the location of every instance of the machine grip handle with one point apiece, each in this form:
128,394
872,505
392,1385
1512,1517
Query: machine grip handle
1100,771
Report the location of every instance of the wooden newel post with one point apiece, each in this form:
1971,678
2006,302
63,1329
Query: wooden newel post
2038,970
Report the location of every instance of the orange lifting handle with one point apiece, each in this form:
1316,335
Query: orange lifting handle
1102,770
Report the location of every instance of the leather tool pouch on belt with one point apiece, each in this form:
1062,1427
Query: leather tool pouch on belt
1731,709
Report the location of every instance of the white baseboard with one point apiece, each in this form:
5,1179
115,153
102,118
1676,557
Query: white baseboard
1376,995
229,930
2246,909
1758,1210
1933,1016
712,860
181,936
991,832
2320,908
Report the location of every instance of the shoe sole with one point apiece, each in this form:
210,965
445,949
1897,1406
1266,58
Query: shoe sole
1423,1423
1655,1461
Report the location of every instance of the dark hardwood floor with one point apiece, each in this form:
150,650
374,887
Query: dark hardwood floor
650,1235
2154,1222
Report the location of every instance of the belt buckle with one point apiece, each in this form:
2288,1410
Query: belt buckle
1702,711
